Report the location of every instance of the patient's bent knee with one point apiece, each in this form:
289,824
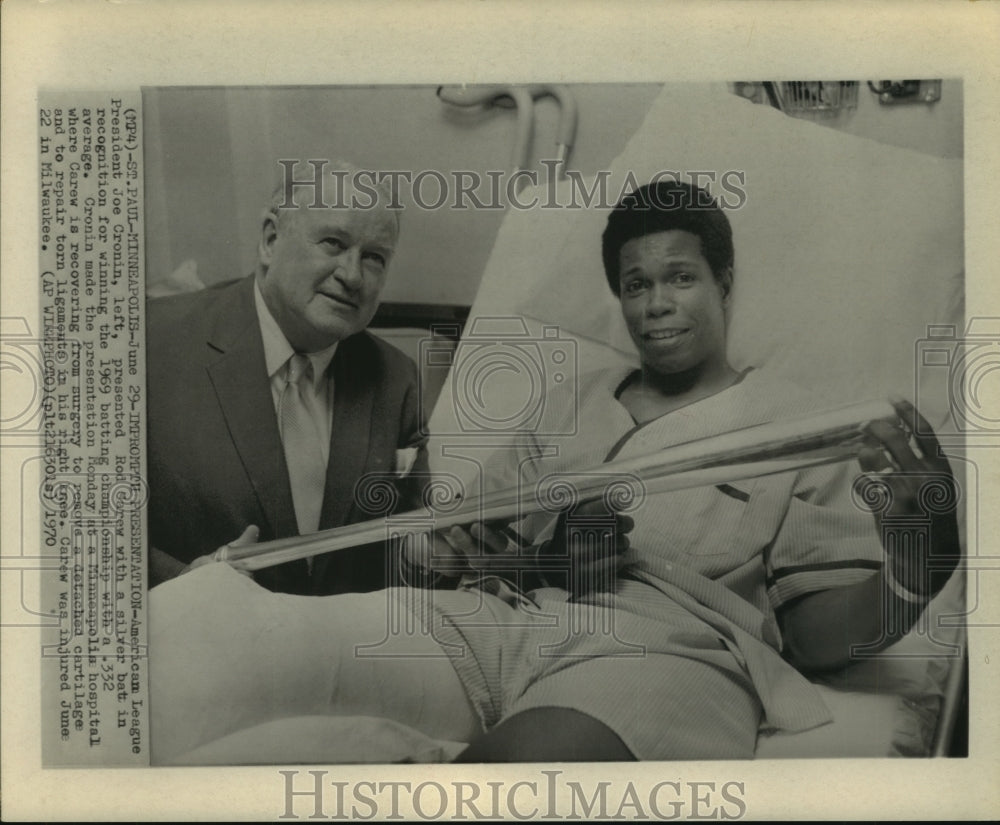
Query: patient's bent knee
548,734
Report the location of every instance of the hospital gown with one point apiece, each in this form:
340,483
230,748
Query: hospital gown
681,657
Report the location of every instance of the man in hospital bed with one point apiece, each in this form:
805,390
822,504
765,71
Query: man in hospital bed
684,662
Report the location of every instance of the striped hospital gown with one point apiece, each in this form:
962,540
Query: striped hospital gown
681,658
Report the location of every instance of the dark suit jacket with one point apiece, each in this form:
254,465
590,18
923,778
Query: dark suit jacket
216,463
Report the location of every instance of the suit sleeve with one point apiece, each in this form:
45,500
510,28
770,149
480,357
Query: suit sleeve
412,485
412,460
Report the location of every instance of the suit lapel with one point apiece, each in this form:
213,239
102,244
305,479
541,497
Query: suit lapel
238,374
350,439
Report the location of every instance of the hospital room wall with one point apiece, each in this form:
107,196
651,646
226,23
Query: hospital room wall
934,129
209,152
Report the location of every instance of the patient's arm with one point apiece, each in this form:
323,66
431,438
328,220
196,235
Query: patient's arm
576,566
580,566
820,628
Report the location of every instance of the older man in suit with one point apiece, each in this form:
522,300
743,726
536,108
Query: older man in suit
268,401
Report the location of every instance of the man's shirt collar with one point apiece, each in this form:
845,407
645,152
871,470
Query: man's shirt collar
277,350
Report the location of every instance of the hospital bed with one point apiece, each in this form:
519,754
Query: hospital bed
849,265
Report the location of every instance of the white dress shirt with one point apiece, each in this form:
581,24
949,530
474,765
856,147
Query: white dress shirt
317,394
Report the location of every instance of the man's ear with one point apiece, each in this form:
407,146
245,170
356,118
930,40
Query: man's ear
268,235
726,285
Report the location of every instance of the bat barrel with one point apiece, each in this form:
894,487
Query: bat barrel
763,449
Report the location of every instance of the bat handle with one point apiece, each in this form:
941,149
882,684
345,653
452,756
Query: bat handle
224,553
